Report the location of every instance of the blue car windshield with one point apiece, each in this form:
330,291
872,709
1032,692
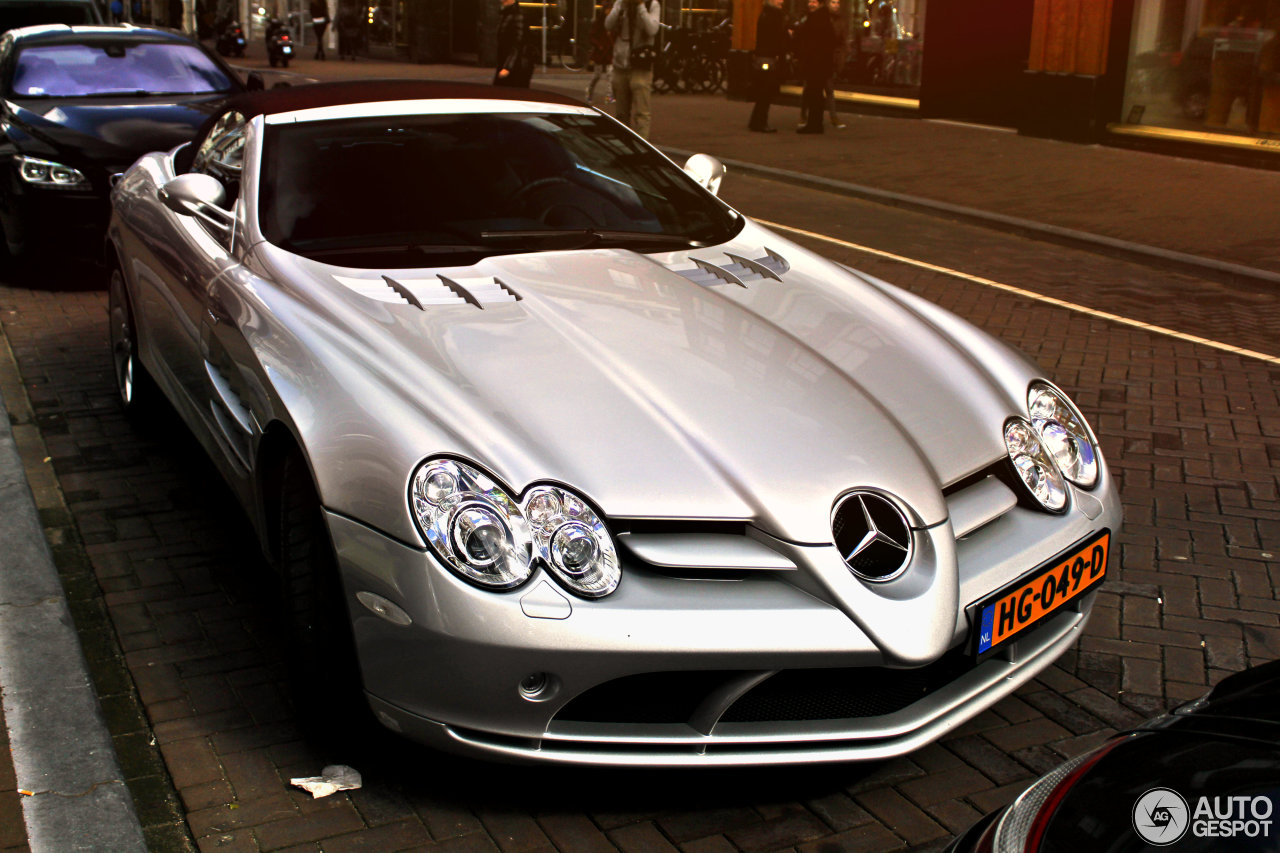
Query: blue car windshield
380,191
118,68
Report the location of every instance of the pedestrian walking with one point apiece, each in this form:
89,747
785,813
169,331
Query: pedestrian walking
815,48
348,30
772,40
600,59
840,25
634,24
515,62
319,23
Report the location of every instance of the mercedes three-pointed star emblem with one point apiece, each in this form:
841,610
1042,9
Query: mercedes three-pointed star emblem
872,534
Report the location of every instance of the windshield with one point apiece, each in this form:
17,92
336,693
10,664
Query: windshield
119,68
415,190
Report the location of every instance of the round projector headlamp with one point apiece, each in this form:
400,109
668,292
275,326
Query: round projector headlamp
573,540
1064,433
1034,466
471,524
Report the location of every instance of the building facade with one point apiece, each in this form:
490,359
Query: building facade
1200,76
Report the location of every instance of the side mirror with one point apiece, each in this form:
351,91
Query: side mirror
706,170
254,82
199,195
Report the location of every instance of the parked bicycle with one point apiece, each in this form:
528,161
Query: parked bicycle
692,61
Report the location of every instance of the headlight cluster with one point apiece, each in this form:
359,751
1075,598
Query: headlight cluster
1054,446
46,173
485,536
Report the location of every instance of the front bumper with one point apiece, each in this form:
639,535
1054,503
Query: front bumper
670,671
738,744
37,219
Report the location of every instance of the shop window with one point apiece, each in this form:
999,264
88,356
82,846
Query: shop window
1205,66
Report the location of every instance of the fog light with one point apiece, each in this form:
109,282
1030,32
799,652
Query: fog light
538,686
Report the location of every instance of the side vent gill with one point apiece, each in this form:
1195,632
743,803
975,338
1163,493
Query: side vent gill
422,293
740,270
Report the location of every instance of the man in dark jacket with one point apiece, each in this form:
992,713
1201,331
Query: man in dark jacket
515,65
815,47
771,48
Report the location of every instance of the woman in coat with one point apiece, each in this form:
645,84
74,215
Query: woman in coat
771,49
515,64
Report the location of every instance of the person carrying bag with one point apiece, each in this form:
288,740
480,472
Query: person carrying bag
635,25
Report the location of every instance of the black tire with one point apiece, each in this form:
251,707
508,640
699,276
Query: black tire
323,668
716,71
284,63
699,75
139,395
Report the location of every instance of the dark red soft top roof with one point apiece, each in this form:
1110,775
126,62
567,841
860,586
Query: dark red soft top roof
289,98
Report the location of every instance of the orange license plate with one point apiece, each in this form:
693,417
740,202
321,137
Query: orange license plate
1018,607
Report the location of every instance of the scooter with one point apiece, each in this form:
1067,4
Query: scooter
279,44
231,39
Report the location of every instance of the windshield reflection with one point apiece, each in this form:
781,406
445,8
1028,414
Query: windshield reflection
118,68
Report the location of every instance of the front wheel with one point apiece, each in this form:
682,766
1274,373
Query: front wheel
323,666
138,392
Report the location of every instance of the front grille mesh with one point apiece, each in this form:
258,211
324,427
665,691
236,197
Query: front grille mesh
789,696
651,697
837,694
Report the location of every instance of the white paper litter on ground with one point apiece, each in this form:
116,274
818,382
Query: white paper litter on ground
334,778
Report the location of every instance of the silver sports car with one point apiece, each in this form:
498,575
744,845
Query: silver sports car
577,462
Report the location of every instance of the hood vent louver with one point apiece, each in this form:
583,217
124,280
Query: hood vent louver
423,293
481,291
739,271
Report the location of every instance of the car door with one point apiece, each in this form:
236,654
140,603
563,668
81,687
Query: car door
184,258
226,392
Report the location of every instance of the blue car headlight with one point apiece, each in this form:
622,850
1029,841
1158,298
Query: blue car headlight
46,173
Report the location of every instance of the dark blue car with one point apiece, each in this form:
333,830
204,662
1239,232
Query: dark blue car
81,104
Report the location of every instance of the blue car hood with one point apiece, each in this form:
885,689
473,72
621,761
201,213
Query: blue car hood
112,132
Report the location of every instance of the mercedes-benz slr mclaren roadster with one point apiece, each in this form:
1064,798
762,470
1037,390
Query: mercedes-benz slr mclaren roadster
583,464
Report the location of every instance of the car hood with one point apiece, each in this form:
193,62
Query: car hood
659,395
113,132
